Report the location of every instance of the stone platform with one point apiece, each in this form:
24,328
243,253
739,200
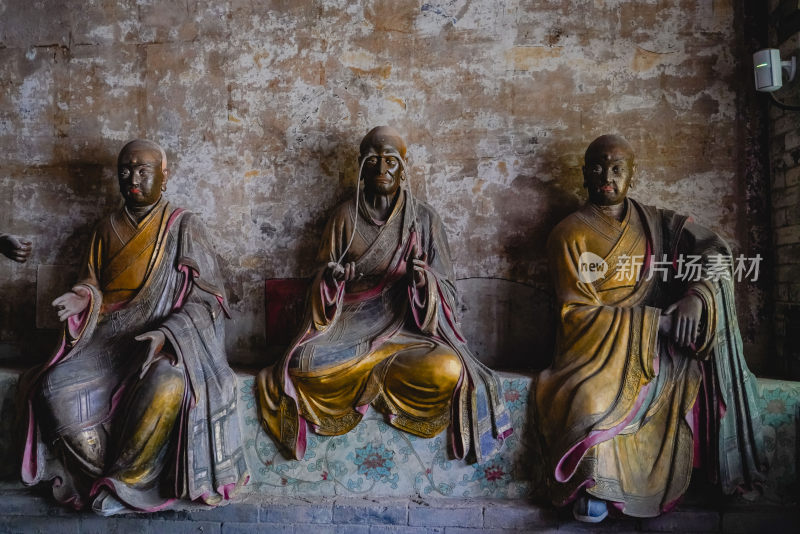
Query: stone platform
378,479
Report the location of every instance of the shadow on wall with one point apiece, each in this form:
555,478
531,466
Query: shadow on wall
59,205
508,325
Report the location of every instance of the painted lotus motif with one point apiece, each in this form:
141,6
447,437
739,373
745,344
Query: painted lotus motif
374,461
777,407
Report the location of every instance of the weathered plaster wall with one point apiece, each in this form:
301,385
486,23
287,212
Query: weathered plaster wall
261,105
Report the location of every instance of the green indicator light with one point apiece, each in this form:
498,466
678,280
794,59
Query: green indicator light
762,65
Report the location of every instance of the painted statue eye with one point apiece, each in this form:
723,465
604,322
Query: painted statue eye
372,161
391,161
597,169
124,173
617,169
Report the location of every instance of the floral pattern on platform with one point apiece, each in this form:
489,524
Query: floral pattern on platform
490,475
515,393
374,462
379,460
779,403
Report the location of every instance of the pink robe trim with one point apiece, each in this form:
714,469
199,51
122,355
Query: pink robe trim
569,462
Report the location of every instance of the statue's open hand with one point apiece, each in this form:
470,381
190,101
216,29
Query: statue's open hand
686,315
157,340
14,248
342,273
417,264
71,303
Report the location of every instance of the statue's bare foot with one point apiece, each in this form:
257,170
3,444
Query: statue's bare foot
106,504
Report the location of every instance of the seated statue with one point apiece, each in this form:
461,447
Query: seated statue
15,248
649,378
381,327
137,406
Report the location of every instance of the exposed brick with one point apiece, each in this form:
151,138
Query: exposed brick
335,529
40,525
684,521
518,515
777,151
234,512
782,291
466,530
773,521
779,217
127,524
784,123
364,512
788,254
26,503
168,515
776,113
778,177
786,197
792,139
583,529
788,273
792,176
787,235
613,523
257,528
794,292
792,215
297,513
184,527
780,326
442,514
405,529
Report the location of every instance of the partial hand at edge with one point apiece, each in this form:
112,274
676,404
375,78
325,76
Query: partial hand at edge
15,248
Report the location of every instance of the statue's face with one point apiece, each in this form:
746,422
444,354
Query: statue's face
607,174
382,170
141,176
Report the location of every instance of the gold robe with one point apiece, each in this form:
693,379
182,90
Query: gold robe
381,341
123,253
612,409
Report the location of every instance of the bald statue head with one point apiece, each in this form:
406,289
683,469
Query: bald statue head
608,170
382,153
142,173
383,136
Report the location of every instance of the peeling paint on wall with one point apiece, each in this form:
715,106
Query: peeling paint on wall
261,105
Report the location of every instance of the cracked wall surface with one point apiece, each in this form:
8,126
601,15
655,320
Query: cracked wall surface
261,105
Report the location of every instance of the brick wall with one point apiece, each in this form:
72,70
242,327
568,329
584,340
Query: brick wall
784,130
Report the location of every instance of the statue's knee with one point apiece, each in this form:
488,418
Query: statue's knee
164,379
88,447
449,371
438,370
